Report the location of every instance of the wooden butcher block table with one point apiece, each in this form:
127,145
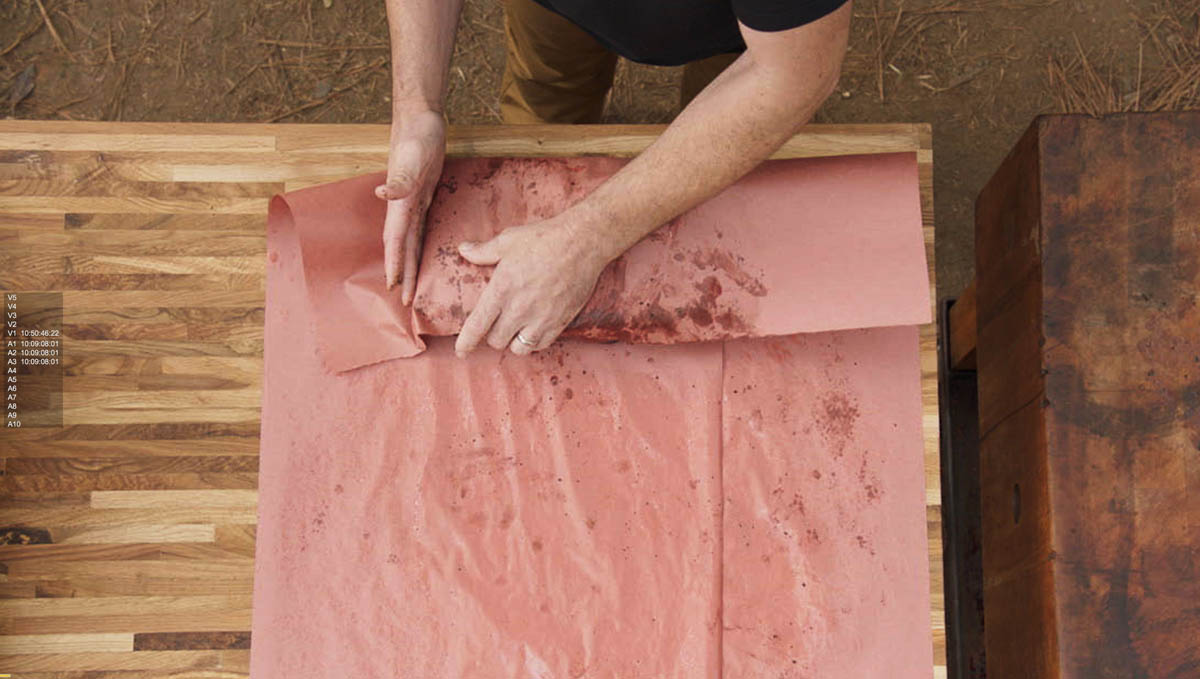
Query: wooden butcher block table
1084,329
129,532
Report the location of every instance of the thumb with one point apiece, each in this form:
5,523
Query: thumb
482,254
399,185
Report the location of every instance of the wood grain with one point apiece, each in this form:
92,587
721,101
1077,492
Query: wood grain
1088,361
154,232
962,327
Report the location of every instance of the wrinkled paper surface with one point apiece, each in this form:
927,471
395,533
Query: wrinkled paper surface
748,504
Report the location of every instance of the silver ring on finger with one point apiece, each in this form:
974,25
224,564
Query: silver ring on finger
528,343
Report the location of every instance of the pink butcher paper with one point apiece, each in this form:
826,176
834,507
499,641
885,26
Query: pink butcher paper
698,499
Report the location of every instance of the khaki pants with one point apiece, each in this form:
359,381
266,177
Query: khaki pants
556,72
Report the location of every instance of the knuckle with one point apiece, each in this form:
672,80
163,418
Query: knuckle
548,338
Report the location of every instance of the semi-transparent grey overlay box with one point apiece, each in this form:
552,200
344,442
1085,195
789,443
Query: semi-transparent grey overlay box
33,359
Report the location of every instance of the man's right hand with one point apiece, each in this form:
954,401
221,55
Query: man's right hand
418,148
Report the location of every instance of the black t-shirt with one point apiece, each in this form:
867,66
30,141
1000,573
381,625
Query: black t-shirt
673,32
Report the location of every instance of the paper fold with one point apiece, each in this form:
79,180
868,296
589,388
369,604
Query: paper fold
796,246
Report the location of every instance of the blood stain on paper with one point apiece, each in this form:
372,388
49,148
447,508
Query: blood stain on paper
483,172
865,544
701,311
870,482
721,260
651,323
835,417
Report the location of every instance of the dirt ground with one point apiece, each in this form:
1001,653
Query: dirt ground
978,70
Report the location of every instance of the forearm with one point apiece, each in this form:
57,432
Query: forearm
422,39
734,124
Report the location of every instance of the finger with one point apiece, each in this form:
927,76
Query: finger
504,330
478,322
412,256
485,253
543,337
399,185
521,348
395,225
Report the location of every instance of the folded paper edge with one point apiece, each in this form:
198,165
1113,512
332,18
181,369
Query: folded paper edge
409,342
401,342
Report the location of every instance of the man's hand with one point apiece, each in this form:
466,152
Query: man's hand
545,273
418,148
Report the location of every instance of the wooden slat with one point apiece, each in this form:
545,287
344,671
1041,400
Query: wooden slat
963,330
114,518
116,205
49,483
131,551
141,449
219,572
105,137
160,662
66,643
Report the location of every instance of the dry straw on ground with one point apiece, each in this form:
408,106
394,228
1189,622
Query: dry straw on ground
1167,76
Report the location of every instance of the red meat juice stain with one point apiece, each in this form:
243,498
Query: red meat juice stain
869,480
721,260
602,319
701,311
836,414
651,323
483,170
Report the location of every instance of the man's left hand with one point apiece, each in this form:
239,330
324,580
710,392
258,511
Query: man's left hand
545,272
